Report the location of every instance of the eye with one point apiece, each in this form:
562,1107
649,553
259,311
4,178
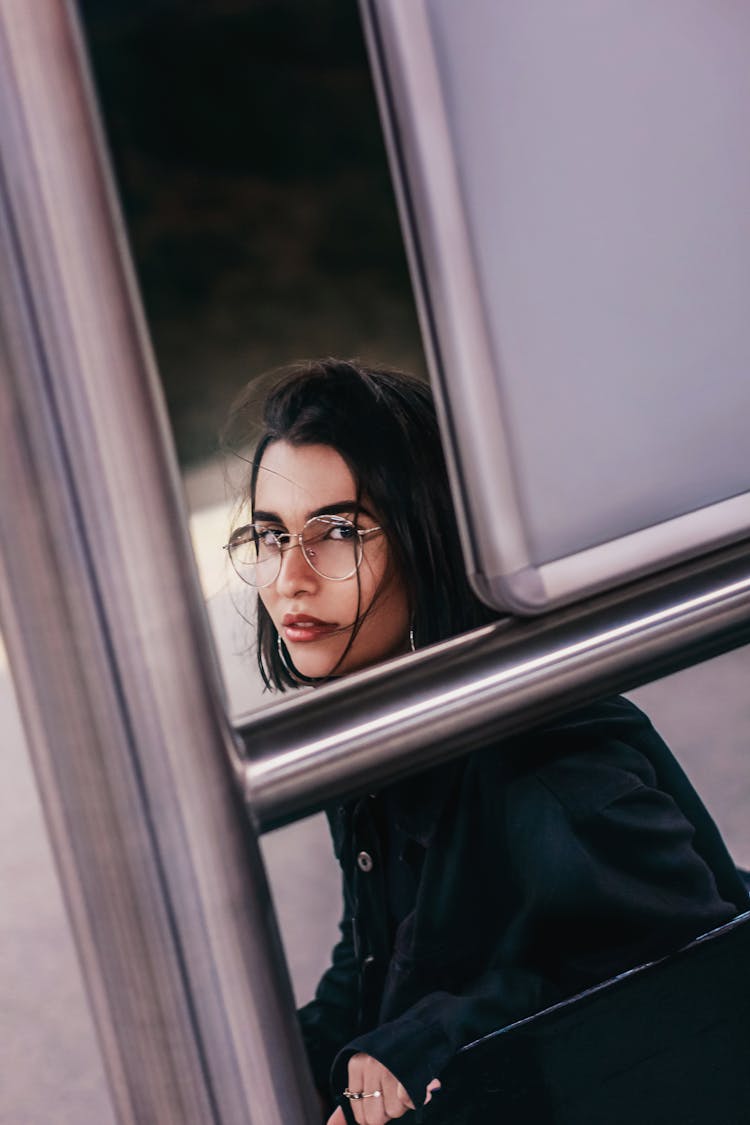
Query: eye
343,531
241,535
271,537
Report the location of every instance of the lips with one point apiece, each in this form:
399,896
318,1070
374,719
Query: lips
301,627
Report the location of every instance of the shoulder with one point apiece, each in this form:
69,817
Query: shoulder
582,762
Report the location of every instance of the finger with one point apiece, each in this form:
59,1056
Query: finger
403,1096
374,1111
375,1072
434,1085
392,1104
337,1117
356,1073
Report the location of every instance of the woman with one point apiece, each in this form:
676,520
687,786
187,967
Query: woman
498,884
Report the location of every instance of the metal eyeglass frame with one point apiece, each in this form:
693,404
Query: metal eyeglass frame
337,521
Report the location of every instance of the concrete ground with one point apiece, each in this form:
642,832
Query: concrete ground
50,1068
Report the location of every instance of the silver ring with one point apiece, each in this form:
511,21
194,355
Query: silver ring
354,1097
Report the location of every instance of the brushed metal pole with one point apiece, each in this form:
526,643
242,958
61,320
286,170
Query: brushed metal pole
391,721
108,642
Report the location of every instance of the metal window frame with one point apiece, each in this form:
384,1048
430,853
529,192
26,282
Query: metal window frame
463,345
108,642
141,776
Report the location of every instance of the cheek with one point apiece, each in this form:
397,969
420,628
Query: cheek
352,599
390,616
272,605
384,632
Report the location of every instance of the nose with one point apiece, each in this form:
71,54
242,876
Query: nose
296,576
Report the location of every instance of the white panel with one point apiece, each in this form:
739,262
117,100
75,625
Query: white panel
594,155
604,159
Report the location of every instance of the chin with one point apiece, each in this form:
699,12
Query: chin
315,665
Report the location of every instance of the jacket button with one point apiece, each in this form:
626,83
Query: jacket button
364,861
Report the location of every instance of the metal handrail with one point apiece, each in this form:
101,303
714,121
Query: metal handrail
108,643
420,710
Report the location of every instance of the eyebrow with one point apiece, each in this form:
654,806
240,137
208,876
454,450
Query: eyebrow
338,509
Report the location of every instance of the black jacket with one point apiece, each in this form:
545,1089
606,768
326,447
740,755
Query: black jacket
498,884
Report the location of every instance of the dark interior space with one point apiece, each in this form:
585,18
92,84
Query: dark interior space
252,173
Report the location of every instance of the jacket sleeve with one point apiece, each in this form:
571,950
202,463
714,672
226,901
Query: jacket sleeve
603,876
331,1017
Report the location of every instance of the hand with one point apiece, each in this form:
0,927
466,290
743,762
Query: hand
367,1074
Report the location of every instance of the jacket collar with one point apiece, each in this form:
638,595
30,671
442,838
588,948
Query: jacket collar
415,805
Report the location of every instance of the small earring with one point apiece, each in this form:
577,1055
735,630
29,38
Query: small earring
412,642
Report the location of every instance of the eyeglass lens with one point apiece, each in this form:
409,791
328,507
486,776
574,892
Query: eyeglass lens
330,544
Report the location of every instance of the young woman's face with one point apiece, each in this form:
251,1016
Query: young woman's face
313,615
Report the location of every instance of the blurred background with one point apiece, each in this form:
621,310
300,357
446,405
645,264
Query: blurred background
252,175
253,178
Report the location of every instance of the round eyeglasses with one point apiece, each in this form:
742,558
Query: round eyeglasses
332,545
